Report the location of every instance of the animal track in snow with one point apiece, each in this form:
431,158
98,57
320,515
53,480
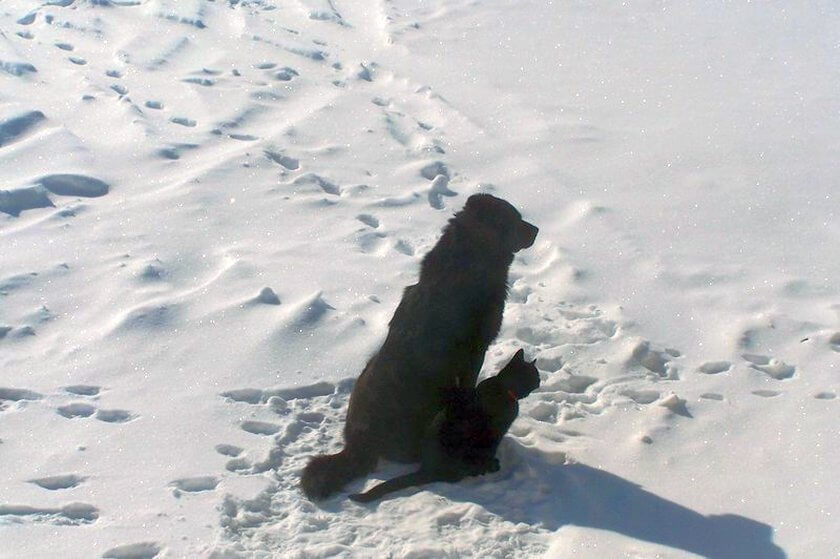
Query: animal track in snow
18,69
766,393
18,200
239,465
834,341
185,13
17,127
81,410
175,151
204,82
195,484
228,450
183,121
258,396
114,416
676,405
404,247
289,163
260,427
323,10
434,169
17,394
83,390
825,395
715,367
774,368
74,410
55,483
72,514
439,188
369,220
653,360
572,384
642,396
74,185
572,328
28,19
285,74
311,179
142,550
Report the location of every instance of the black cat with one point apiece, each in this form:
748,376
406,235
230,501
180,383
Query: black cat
462,439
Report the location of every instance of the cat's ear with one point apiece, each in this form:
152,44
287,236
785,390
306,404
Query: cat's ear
520,355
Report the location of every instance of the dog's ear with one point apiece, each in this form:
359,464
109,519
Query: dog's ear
534,363
519,355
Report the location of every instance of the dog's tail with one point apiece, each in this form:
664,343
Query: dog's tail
419,477
326,474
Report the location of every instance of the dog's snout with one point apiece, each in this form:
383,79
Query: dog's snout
528,234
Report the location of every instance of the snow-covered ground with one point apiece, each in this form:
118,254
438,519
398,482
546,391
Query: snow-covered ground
208,211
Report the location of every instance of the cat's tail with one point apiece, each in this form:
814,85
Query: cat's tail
419,477
326,474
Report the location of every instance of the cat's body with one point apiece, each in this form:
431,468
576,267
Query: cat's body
463,437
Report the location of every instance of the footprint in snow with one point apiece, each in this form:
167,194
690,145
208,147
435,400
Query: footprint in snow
83,390
288,163
767,393
775,368
142,550
76,409
114,416
194,484
715,367
228,450
55,483
82,410
73,514
18,394
369,220
260,427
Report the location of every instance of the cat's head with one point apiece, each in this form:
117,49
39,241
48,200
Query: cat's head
520,376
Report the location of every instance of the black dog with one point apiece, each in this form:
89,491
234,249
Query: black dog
436,341
462,439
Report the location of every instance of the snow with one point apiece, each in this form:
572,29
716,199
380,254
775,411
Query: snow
209,210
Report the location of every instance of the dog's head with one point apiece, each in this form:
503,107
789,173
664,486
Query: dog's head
500,216
519,376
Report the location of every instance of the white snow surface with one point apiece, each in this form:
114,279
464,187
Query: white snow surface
209,210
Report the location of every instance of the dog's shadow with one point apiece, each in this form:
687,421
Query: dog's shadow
540,489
